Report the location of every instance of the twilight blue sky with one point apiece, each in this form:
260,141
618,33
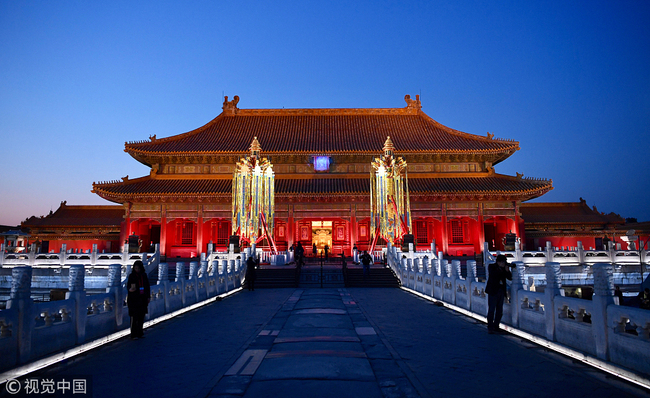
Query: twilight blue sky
569,80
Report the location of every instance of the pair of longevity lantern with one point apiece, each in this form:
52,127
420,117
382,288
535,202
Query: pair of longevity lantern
253,201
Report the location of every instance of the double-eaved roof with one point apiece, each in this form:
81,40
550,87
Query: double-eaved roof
349,135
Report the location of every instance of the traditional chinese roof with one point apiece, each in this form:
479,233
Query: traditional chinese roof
566,213
476,186
79,216
319,131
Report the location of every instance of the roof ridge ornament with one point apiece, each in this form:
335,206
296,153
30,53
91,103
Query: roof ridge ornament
255,148
413,104
389,148
230,107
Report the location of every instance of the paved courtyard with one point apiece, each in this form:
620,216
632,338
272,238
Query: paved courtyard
350,342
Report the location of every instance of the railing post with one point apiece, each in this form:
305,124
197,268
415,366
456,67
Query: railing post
31,256
180,277
193,278
518,283
518,255
223,276
549,252
581,254
553,288
76,280
456,276
471,271
203,267
2,254
115,286
93,255
603,297
237,274
20,300
63,254
125,253
163,280
612,253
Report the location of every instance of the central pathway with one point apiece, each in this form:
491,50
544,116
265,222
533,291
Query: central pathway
319,344
336,342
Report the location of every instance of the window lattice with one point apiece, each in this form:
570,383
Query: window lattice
223,233
421,231
457,235
187,233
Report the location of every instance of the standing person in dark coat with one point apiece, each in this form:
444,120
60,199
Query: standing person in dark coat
366,259
299,253
496,291
314,249
138,298
326,249
251,273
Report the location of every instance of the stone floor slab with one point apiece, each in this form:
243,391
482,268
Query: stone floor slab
313,389
318,321
315,367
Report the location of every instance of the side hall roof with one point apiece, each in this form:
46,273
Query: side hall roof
106,215
566,213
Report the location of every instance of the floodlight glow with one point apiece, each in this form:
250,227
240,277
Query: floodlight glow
322,163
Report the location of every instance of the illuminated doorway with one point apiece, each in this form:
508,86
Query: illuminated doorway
321,235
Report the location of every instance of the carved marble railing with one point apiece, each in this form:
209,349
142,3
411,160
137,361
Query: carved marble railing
577,255
91,258
577,264
281,258
598,327
30,330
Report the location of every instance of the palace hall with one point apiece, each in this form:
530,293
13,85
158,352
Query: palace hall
321,161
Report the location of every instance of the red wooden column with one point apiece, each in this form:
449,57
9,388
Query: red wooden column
291,228
353,227
163,231
481,228
126,231
199,231
445,230
517,220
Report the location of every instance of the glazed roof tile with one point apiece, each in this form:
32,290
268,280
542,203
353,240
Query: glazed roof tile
480,185
79,216
327,131
565,212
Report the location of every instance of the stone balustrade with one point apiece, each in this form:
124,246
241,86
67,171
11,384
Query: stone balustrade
95,263
599,327
29,330
577,255
577,264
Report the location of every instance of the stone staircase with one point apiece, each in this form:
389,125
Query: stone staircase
275,278
379,277
310,277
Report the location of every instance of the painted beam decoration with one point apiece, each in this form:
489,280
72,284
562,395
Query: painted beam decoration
253,202
390,207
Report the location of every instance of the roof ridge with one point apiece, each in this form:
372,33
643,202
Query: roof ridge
488,138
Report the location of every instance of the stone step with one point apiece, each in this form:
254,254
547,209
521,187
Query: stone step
275,278
378,277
